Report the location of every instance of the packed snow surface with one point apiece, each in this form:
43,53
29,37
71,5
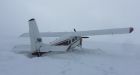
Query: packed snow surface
95,58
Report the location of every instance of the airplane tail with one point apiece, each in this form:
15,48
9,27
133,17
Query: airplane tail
35,38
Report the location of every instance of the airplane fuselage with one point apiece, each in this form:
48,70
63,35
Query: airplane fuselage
70,42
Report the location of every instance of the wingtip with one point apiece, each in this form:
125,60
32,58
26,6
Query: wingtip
131,29
32,19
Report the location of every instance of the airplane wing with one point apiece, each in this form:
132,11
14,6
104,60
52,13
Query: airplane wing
85,33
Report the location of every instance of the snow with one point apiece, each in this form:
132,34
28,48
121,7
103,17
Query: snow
95,58
102,55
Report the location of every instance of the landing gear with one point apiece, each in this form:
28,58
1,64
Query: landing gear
38,54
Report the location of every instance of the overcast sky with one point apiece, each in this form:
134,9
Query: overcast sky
64,15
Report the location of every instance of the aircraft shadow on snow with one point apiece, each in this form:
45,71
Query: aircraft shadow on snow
76,51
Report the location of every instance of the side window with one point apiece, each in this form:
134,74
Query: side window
69,41
73,40
64,43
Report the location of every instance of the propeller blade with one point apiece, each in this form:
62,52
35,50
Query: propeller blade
74,30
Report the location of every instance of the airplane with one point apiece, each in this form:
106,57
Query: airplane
67,40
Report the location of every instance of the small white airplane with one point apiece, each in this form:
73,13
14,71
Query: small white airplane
67,40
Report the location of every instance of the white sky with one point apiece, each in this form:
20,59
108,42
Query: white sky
64,15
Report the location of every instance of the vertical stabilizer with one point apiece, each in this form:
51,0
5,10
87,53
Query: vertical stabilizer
35,38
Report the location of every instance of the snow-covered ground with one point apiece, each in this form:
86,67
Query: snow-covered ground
119,55
96,58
